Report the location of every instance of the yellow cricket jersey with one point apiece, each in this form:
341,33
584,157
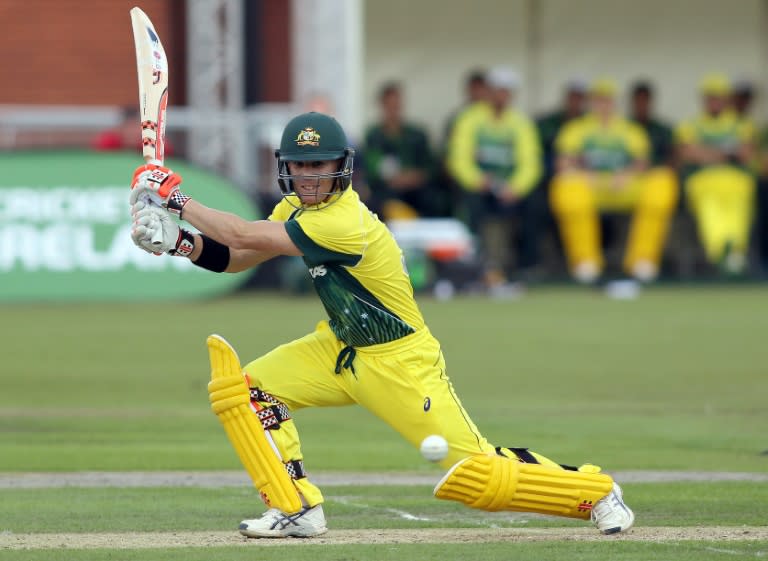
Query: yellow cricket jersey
506,147
603,147
725,131
357,269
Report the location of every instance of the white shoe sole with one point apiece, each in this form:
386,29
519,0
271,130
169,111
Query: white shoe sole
619,529
294,533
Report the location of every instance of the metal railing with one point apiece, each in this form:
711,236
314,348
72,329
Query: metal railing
248,163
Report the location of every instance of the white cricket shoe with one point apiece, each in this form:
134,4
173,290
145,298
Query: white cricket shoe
275,523
611,515
645,270
586,272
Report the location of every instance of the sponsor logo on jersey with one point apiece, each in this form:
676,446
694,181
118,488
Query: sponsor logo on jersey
319,271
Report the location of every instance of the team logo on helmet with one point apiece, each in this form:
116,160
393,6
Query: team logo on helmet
308,137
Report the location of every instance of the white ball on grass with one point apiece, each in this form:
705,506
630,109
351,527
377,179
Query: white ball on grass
434,448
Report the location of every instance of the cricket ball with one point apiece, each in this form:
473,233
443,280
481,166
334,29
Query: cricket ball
434,448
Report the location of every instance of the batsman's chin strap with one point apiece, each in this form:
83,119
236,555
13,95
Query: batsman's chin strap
346,359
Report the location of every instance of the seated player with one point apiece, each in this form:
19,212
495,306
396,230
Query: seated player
602,167
716,150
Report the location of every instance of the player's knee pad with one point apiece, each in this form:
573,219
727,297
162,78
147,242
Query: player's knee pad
231,401
493,482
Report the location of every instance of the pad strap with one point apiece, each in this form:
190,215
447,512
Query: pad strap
522,454
257,394
295,469
272,416
525,456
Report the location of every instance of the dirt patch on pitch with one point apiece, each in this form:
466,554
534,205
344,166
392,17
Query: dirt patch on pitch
372,536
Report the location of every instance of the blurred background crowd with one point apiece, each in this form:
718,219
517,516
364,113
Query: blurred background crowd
601,186
572,141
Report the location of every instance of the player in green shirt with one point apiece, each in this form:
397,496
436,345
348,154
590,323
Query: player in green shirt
399,166
573,106
659,133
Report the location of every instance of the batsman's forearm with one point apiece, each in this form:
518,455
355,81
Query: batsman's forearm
261,238
224,227
239,259
244,259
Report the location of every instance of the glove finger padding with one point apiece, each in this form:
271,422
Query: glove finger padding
161,185
141,195
151,220
142,238
138,204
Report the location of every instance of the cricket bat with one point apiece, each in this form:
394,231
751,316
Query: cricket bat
152,69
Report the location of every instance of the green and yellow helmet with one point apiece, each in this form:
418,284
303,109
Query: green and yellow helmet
314,137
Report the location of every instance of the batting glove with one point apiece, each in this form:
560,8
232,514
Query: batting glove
159,184
154,231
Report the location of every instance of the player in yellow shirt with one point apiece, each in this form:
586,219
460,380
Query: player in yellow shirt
495,156
716,150
374,349
602,167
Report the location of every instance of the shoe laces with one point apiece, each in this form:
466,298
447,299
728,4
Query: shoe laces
606,505
282,520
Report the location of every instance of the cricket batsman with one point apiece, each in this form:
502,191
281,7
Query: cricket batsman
374,349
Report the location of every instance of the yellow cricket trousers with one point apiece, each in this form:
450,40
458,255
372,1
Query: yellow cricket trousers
402,382
576,204
722,201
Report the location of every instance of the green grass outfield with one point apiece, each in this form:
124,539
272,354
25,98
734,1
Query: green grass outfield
677,380
74,517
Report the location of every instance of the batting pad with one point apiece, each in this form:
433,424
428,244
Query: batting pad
230,401
492,482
